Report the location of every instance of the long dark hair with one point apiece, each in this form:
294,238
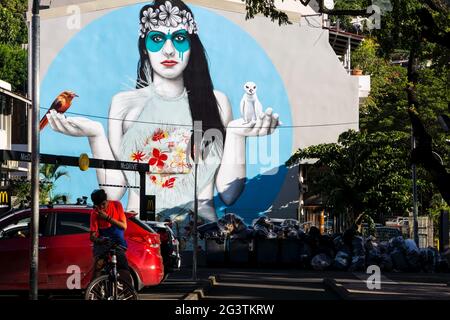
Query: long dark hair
197,80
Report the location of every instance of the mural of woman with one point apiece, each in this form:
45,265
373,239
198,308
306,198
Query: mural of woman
154,123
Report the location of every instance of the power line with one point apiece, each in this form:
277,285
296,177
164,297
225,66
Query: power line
188,125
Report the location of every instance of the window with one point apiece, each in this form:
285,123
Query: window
72,223
20,227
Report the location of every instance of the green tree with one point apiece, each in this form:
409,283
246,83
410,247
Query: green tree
21,193
49,175
13,35
385,108
415,31
13,66
364,173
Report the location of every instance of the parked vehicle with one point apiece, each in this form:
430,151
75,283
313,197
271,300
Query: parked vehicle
170,246
400,223
65,248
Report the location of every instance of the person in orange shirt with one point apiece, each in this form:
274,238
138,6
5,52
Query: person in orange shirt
108,225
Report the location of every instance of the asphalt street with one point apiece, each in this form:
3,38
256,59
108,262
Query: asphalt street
280,284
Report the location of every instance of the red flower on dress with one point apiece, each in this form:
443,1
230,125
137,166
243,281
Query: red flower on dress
158,158
137,156
153,178
159,135
169,183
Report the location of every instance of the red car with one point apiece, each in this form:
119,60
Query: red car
65,248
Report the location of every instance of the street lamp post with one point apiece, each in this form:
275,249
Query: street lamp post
194,234
414,181
34,239
443,220
197,143
442,163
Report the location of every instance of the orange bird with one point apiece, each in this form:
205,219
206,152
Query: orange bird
62,102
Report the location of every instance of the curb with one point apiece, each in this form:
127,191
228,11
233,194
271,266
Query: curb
337,288
200,293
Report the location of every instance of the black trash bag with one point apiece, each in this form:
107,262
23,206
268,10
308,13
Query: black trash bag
429,259
260,232
348,236
291,234
442,261
326,246
397,243
321,262
263,221
399,261
383,247
386,263
210,230
263,228
342,261
340,246
358,263
358,246
397,251
305,254
314,233
279,231
232,224
446,255
313,239
413,255
244,234
290,223
290,228
301,234
373,255
358,254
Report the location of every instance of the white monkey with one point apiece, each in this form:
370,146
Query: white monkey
251,108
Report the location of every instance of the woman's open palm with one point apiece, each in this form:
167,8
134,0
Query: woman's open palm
265,124
74,126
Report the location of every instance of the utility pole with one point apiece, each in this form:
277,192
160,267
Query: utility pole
414,181
197,150
34,239
194,231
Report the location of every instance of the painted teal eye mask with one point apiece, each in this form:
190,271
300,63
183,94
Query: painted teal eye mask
155,40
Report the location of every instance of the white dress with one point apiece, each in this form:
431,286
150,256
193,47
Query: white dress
161,136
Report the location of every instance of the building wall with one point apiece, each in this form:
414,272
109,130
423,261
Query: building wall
296,70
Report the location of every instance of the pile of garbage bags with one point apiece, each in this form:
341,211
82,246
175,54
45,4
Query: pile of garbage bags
264,227
229,226
233,226
345,252
355,253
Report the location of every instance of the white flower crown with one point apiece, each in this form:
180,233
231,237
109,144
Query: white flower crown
167,15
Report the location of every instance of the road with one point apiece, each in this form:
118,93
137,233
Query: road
282,284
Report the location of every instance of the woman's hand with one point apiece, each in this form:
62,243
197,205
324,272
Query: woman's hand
264,125
74,126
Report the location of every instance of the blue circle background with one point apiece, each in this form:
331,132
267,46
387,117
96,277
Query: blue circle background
101,60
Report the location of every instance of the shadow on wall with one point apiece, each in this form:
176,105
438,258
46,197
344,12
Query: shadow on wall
258,196
287,202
